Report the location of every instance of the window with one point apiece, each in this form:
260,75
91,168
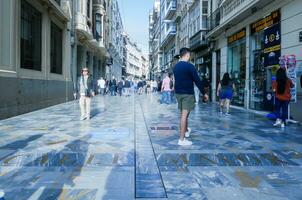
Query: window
56,49
204,22
204,7
98,26
58,2
31,26
88,8
104,4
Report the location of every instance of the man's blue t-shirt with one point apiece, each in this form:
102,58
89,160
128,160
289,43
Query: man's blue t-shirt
185,75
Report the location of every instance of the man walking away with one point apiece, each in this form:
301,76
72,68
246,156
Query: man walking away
86,90
185,76
120,86
101,85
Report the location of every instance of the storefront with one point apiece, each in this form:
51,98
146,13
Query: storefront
236,64
265,50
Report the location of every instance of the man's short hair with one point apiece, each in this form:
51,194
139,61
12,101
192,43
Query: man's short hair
183,51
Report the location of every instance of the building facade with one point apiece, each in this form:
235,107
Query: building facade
44,44
34,66
168,30
89,38
155,54
197,13
145,67
182,23
247,38
134,59
116,41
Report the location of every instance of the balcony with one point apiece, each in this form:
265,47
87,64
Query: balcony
214,19
60,9
198,41
84,32
170,9
169,34
231,12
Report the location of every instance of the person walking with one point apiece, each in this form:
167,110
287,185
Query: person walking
225,92
120,86
86,92
154,86
112,87
185,75
281,87
166,89
102,86
140,87
127,87
206,85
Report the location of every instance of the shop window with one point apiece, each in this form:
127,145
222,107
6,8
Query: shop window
56,49
31,39
88,8
237,69
260,85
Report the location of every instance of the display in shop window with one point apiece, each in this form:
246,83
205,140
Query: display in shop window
272,45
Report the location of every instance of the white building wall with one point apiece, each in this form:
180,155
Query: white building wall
291,16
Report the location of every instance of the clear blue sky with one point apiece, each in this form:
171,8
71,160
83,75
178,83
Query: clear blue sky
135,16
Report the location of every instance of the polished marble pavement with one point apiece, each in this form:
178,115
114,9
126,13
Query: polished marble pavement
129,150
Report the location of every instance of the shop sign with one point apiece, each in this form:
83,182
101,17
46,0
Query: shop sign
272,45
237,36
268,21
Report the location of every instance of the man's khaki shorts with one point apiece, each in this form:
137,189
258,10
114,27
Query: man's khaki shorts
185,102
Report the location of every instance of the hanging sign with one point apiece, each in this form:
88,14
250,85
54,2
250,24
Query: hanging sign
268,21
272,45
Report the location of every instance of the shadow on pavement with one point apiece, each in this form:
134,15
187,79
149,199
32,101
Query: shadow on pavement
53,171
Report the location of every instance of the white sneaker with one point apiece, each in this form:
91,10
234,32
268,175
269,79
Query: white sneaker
277,123
282,125
187,134
88,117
82,118
184,142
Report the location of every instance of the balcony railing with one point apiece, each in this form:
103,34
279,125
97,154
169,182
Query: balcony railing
171,9
198,40
227,10
214,19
